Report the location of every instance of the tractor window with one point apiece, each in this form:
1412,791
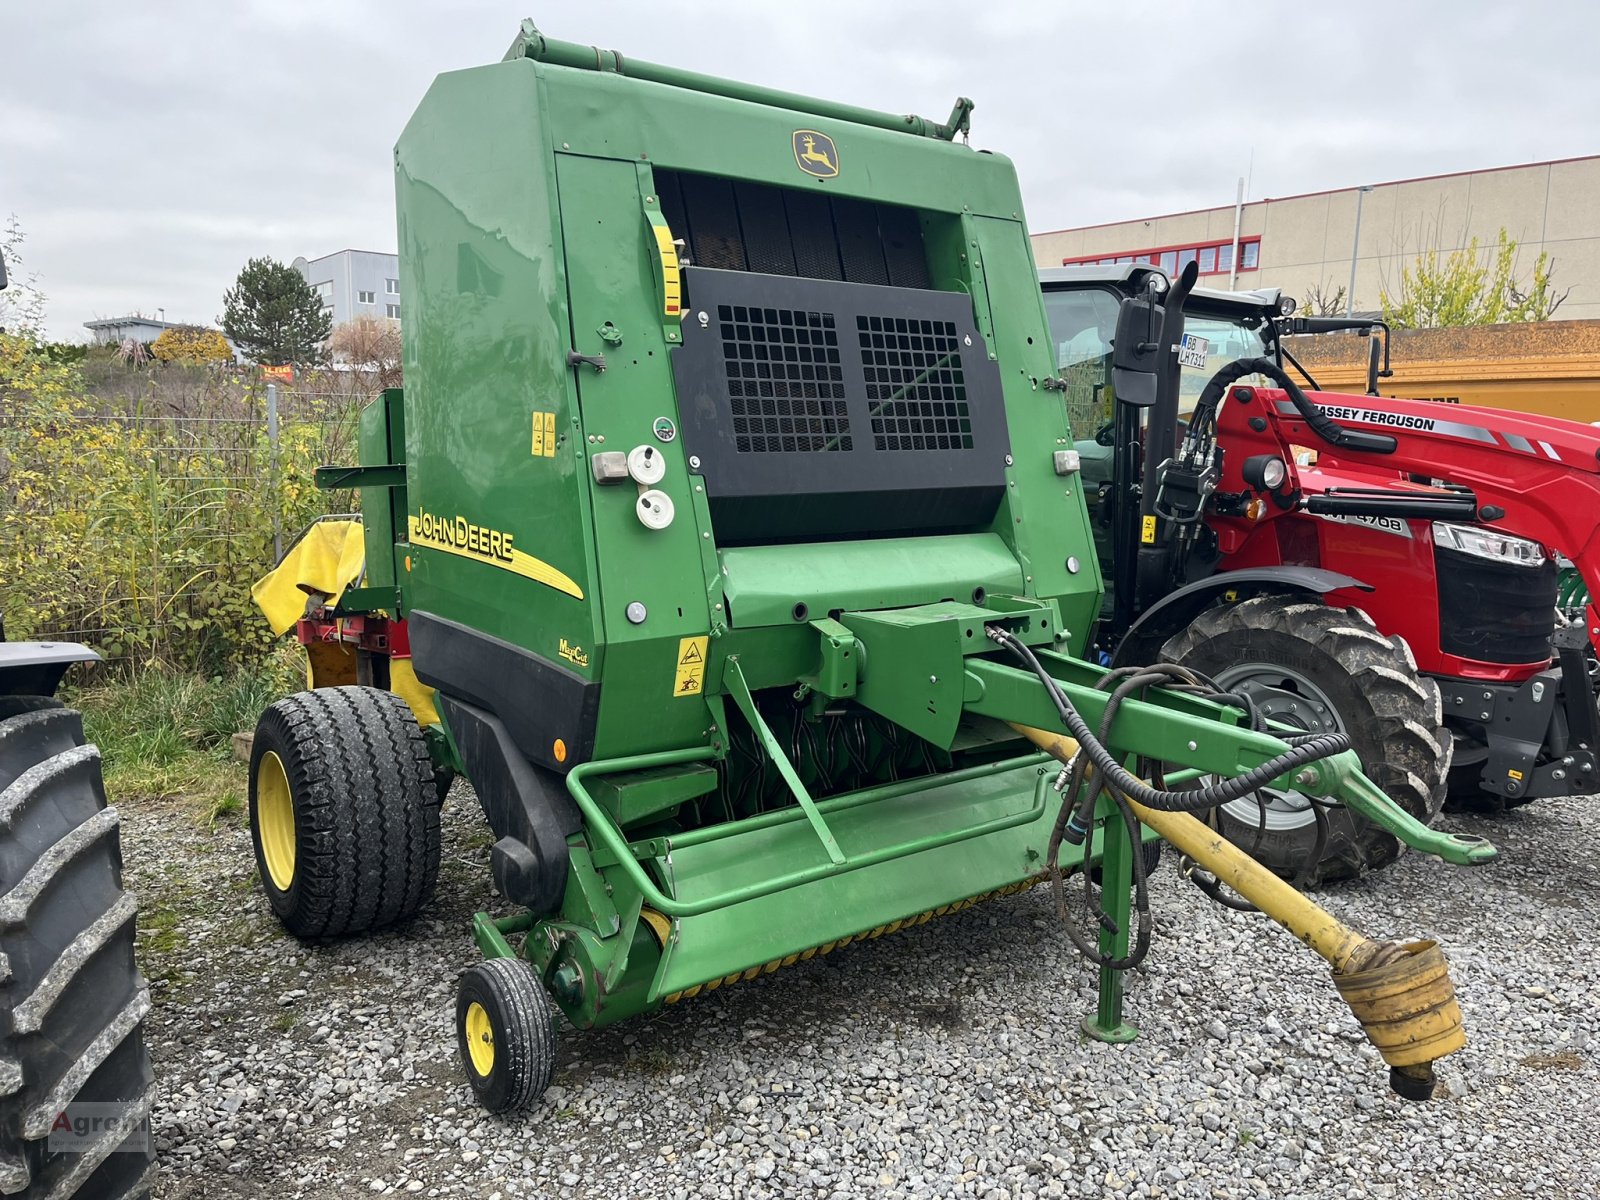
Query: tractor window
1226,342
1081,325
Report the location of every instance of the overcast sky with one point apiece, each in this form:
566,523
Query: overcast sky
149,150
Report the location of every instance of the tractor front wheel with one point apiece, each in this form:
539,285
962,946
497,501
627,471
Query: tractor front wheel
344,811
1323,670
506,1032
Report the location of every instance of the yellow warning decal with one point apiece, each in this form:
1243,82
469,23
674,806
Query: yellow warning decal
1514,774
691,673
671,277
1147,530
544,435
459,536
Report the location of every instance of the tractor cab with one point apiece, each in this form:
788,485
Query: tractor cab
1083,305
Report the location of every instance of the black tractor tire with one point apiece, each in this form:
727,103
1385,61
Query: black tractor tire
344,811
72,1001
506,1033
1369,688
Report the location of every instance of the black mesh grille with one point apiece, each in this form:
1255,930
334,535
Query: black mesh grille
1498,612
747,226
715,239
766,233
785,383
915,389
816,247
860,243
802,404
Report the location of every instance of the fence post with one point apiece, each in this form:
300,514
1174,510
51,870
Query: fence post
272,449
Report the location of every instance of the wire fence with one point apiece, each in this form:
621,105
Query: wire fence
140,532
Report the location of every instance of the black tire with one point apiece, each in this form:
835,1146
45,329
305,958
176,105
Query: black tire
1149,851
506,1033
360,850
1370,689
72,1001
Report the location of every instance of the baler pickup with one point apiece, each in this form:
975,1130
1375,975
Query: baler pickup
739,899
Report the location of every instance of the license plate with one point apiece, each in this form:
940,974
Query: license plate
1193,351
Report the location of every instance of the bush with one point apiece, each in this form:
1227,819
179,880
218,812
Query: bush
137,521
192,344
165,731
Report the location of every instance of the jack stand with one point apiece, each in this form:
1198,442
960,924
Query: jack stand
1105,1024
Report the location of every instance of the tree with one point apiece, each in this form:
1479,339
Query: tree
192,345
1471,286
274,315
1323,300
370,343
22,303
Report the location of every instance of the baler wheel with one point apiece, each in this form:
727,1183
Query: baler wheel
344,811
506,1031
72,1003
1325,670
1149,851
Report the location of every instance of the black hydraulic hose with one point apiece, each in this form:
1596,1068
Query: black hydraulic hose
1324,426
1301,751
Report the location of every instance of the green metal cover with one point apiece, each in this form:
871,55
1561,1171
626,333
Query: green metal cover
762,584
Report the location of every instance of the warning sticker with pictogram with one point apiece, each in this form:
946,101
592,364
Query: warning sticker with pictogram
691,672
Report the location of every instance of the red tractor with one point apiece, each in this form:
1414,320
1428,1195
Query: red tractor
1382,567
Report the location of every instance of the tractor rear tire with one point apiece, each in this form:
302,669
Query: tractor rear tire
344,811
72,1002
506,1033
1324,669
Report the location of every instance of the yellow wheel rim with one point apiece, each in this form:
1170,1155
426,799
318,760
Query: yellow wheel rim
275,820
480,1039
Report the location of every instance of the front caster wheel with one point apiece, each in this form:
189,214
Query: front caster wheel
506,1031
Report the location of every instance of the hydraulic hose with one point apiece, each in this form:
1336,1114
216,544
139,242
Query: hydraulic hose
1321,424
1301,751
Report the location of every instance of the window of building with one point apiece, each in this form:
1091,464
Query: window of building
394,311
392,286
325,288
1213,258
366,297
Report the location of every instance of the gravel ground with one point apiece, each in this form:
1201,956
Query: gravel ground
946,1061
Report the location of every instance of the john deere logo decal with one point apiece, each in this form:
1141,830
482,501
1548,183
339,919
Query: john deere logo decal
815,153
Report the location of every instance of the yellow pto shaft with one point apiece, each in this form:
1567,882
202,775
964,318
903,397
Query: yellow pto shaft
1400,992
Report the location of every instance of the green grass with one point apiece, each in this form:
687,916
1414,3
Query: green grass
164,732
